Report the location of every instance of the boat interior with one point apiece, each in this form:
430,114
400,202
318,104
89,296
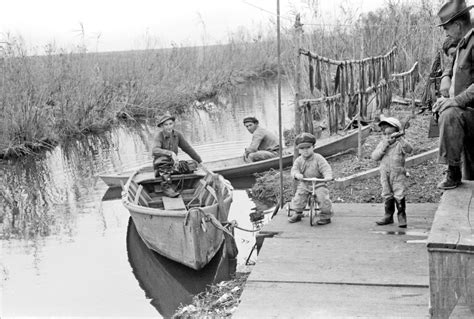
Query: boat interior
197,191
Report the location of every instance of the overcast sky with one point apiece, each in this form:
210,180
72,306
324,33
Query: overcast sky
111,25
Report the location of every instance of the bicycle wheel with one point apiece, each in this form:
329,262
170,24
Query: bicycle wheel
312,211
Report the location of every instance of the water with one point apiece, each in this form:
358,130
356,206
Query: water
64,250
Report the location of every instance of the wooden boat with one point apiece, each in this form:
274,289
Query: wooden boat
186,229
237,167
168,284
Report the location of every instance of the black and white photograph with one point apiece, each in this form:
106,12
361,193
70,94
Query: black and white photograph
237,159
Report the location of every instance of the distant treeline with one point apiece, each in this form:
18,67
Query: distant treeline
50,98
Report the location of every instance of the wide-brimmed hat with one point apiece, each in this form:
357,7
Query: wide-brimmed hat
450,10
251,119
305,140
165,117
390,121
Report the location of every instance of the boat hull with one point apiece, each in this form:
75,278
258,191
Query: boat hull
237,167
185,236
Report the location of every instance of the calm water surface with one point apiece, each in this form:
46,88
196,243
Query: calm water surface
67,253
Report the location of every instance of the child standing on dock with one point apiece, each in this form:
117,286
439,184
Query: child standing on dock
391,152
310,164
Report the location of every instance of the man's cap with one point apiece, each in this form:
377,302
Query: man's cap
165,117
452,9
390,121
305,140
250,119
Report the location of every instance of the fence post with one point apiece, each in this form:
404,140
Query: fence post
298,34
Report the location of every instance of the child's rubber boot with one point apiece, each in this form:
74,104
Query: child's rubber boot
402,216
389,211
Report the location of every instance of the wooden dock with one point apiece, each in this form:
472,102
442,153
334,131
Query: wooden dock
349,268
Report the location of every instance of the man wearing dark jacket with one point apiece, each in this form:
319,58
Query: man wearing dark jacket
456,113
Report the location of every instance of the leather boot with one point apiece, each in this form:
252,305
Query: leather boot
166,186
296,217
168,190
453,178
401,214
389,210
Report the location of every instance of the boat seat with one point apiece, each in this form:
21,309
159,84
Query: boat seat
139,194
204,195
176,203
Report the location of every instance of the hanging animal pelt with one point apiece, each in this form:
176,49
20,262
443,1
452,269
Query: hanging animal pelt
337,79
311,84
317,75
308,118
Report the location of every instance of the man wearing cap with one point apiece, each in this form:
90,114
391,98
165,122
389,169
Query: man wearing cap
456,113
165,150
264,144
310,164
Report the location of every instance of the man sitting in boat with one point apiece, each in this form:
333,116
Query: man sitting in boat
165,150
264,144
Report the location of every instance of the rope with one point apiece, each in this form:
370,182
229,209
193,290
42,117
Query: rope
248,230
213,220
218,224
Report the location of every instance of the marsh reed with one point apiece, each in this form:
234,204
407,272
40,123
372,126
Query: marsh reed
56,96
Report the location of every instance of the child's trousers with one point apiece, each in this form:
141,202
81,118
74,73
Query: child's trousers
393,182
303,191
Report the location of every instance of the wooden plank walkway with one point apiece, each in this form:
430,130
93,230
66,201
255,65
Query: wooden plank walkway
349,268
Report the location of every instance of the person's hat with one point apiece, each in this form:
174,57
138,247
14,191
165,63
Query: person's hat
390,121
251,119
305,140
167,116
450,10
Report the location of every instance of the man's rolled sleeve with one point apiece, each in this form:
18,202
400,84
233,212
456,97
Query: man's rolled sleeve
465,98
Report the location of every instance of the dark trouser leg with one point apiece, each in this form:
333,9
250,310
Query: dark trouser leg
468,158
451,136
402,216
163,166
389,210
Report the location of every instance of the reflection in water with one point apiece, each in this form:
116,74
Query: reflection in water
169,284
54,200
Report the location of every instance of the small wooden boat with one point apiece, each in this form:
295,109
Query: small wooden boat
237,167
187,229
168,284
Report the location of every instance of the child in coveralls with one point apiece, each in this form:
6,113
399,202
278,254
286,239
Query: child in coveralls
391,153
310,164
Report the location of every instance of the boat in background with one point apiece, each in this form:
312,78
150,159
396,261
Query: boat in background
237,167
187,229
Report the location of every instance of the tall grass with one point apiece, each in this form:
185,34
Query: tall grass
49,98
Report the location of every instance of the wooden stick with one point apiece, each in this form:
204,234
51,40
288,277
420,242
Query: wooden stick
337,62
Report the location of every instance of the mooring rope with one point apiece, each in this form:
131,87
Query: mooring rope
218,224
248,230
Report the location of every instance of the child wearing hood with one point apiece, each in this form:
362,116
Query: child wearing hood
391,153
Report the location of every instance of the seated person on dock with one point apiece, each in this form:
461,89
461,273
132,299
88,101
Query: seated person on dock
310,164
391,152
264,144
165,150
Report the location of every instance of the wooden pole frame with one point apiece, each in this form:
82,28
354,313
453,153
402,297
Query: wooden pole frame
298,34
280,134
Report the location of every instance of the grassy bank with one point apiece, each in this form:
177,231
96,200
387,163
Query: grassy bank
422,180
49,98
